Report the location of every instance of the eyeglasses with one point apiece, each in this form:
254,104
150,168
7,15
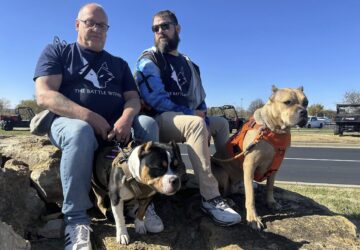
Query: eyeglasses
92,24
163,26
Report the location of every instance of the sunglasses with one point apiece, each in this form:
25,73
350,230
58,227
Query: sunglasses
163,26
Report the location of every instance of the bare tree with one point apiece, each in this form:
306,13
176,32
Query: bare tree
352,97
242,112
254,105
4,104
30,103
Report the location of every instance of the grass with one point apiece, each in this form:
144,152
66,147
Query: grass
324,135
340,200
16,131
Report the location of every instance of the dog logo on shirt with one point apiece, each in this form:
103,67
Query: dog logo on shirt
179,77
101,78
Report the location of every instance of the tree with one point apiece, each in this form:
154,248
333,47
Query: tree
330,113
316,110
4,104
31,104
352,97
241,112
254,105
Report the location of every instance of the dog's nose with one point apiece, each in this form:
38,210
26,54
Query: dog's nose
174,181
303,113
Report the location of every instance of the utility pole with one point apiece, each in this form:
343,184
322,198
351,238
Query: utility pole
241,107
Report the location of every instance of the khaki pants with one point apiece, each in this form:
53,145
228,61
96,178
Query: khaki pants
192,130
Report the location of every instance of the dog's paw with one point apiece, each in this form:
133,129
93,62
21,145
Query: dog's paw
140,226
122,238
254,222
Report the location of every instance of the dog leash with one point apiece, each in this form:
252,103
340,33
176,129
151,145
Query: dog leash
256,140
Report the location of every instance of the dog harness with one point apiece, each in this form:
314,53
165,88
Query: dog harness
280,142
107,158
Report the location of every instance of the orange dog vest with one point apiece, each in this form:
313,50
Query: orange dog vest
280,142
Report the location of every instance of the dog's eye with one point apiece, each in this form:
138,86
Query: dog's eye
157,171
287,102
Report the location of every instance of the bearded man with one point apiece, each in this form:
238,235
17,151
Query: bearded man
171,90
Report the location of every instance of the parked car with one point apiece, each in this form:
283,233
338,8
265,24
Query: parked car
315,122
326,120
20,117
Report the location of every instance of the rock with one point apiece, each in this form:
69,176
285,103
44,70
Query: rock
20,206
33,150
43,160
317,231
297,226
301,224
53,229
11,240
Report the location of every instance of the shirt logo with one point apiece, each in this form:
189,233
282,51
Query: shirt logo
101,78
179,77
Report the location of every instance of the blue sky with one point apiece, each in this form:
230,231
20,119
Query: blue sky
242,47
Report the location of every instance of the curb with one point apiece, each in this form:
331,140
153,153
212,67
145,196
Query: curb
316,184
323,145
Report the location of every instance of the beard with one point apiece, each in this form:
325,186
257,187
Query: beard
168,44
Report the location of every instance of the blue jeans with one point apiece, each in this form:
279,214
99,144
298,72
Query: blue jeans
77,141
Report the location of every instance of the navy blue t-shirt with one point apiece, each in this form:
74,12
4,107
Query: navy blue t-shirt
180,79
102,86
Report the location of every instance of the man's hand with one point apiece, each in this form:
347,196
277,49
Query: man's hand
122,127
99,124
49,97
121,130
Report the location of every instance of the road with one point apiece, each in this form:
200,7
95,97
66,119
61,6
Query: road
316,165
321,165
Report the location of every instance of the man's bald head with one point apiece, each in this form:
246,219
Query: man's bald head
90,7
92,25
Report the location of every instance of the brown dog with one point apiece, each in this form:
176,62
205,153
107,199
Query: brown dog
258,154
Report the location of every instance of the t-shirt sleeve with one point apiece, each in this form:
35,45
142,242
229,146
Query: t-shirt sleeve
128,79
49,62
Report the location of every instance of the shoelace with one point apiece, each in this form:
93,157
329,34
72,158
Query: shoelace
219,203
83,234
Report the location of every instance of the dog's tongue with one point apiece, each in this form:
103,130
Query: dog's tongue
134,163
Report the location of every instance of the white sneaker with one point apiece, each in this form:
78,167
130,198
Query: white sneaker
77,237
153,222
220,211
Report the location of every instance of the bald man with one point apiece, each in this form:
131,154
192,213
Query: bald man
94,97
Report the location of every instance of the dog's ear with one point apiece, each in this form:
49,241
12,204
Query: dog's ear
301,88
175,148
145,148
274,88
148,145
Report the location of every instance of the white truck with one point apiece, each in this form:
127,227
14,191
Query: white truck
314,122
